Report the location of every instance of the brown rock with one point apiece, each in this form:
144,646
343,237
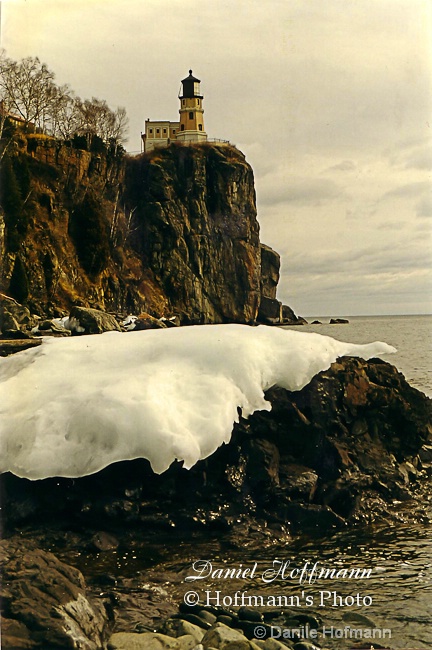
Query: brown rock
45,602
94,321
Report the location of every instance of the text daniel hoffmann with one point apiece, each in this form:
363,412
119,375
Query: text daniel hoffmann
281,570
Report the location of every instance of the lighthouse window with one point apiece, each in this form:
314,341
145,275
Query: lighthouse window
164,131
191,115
200,127
157,130
150,130
198,102
182,127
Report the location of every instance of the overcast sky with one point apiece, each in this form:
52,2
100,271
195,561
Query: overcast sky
330,100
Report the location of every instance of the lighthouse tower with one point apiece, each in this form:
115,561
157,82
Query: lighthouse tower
191,111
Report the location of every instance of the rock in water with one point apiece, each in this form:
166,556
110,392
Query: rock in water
45,602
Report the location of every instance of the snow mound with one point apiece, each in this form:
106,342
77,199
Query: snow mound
73,406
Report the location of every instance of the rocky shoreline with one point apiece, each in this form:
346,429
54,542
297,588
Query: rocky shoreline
352,447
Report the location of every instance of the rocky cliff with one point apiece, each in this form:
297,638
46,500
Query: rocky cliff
174,232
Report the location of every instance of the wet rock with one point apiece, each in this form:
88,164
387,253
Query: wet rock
338,321
177,627
196,620
274,644
46,603
207,616
262,463
249,614
425,454
84,320
306,516
223,637
298,481
102,541
316,322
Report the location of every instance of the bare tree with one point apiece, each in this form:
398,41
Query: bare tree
27,89
66,114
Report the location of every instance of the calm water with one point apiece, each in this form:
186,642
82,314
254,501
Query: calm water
411,335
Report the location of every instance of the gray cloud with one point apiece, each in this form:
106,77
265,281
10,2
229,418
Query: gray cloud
307,191
424,207
408,190
344,166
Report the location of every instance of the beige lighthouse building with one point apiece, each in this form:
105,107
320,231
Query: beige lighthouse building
190,128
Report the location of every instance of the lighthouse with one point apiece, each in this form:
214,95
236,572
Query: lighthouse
190,128
191,111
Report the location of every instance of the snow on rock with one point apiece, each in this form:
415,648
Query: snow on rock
73,406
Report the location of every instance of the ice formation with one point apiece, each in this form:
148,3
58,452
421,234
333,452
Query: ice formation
73,406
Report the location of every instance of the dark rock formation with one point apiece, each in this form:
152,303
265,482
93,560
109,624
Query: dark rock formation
270,311
45,604
290,318
169,233
270,267
343,450
195,227
338,321
357,437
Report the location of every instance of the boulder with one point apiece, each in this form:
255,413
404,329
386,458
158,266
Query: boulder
14,316
83,320
270,311
51,328
223,637
270,267
176,627
290,318
338,321
147,322
150,641
45,602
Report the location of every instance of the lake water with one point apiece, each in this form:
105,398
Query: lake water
411,335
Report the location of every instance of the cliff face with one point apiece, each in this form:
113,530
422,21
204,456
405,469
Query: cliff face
173,232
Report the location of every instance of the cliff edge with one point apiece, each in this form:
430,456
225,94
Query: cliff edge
170,233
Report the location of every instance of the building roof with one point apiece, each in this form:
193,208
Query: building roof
191,78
